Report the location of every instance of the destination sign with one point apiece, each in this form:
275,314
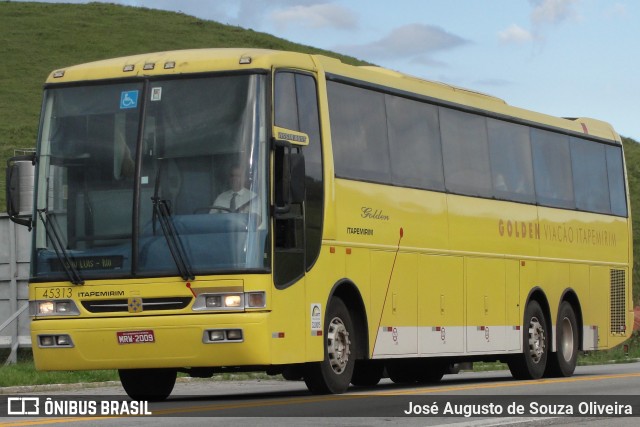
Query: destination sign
90,263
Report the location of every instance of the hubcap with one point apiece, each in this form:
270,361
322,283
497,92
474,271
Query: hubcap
567,339
338,345
536,340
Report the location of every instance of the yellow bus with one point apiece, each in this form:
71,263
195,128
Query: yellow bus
215,210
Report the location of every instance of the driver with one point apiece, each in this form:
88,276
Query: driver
238,198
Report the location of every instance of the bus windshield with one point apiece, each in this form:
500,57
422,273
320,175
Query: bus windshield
164,177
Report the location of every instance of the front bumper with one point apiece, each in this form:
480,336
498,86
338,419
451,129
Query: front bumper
178,342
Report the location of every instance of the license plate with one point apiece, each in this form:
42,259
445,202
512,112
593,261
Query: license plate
136,337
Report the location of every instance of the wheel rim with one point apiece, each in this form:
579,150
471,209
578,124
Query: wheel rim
338,345
567,339
536,340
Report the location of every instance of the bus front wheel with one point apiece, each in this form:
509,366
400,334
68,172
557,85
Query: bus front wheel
334,373
154,385
532,362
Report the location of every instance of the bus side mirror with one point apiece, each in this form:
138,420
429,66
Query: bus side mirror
20,184
289,174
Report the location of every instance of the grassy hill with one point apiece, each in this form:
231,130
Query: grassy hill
39,37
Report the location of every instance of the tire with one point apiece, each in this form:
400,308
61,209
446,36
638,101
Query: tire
154,385
562,363
402,371
531,364
293,373
367,373
430,373
333,375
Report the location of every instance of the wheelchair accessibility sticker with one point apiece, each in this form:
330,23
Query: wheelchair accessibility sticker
129,99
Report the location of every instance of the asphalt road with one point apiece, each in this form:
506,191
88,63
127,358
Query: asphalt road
278,403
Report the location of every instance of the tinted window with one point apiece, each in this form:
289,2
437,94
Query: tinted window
465,152
511,169
296,108
359,133
552,169
286,107
414,139
590,180
310,124
615,173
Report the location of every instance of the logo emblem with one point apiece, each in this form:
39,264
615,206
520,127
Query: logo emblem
135,305
23,406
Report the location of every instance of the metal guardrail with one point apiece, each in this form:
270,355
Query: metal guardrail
15,252
14,346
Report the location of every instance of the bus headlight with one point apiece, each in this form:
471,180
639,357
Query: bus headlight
230,301
46,307
214,301
53,308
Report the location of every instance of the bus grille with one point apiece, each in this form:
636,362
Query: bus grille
618,282
148,304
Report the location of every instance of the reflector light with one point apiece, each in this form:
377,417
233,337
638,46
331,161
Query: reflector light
58,74
245,60
169,64
128,68
149,66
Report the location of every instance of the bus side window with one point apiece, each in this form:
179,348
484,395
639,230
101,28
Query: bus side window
465,153
552,169
511,168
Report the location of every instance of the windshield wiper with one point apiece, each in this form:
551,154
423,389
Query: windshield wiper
48,220
161,210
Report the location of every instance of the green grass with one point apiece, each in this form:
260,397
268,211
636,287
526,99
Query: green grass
23,373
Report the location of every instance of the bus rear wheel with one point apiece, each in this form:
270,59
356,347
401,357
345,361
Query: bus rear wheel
562,363
402,371
532,362
334,373
431,372
154,385
367,373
